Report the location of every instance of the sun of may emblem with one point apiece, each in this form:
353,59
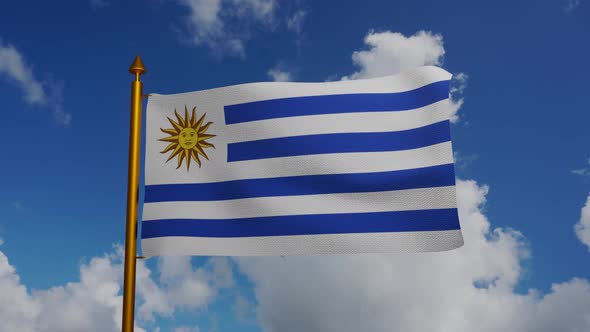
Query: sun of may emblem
188,138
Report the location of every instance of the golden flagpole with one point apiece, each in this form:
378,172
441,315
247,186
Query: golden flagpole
137,68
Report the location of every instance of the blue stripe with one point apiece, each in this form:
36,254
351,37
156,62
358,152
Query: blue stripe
373,222
340,143
333,104
427,177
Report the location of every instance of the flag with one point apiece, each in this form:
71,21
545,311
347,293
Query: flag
279,168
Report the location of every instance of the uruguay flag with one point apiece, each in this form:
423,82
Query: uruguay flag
361,166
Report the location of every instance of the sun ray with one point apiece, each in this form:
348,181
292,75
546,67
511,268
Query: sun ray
176,126
204,128
170,147
200,151
198,124
180,119
176,151
196,157
169,131
204,137
188,138
187,121
180,159
187,156
169,139
207,145
193,117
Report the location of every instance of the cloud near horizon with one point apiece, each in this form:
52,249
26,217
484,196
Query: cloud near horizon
94,302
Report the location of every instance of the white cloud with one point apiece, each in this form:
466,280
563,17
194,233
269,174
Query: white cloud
468,289
260,9
582,228
581,171
185,286
207,23
18,309
155,299
13,66
48,94
91,304
94,303
279,75
391,53
584,171
458,85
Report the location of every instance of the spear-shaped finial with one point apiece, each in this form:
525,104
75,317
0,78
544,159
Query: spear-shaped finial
137,67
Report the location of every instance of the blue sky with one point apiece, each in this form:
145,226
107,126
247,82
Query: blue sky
521,142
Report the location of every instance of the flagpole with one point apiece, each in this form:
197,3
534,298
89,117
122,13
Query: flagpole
137,68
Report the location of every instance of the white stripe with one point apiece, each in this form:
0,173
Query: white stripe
336,163
398,200
245,93
323,244
339,123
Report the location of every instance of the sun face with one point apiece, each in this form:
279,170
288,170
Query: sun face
187,138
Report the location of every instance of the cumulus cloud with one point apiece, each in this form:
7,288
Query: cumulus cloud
582,228
279,75
391,53
18,309
207,22
186,287
468,289
155,300
44,94
94,303
91,304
